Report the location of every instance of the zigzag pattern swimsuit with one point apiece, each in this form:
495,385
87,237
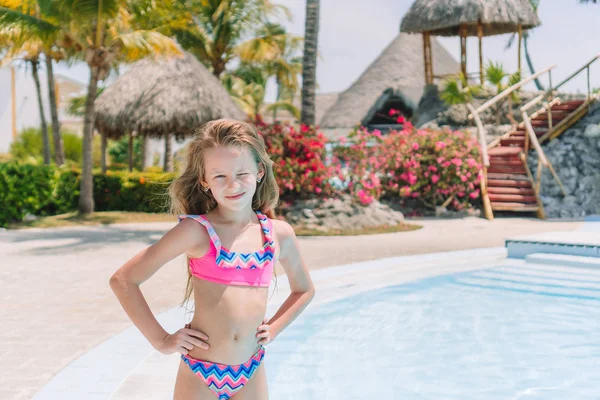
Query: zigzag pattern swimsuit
222,266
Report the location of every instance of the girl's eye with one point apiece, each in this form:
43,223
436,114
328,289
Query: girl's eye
243,173
220,176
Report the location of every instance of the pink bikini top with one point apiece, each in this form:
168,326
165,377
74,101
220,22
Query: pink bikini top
226,267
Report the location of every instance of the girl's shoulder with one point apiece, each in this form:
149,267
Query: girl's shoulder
282,229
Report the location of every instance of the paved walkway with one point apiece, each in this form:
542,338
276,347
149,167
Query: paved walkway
57,305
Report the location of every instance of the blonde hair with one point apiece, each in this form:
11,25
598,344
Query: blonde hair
185,192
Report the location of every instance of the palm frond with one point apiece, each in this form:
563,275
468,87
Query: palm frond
284,105
138,44
257,50
10,18
91,8
494,73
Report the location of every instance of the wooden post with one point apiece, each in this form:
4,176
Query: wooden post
13,82
425,59
480,36
430,57
103,152
520,31
463,50
130,152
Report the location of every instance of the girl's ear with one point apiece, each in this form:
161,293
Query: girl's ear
261,171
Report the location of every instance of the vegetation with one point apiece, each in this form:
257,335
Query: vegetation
105,34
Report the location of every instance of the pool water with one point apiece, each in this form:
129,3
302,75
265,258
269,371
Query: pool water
516,331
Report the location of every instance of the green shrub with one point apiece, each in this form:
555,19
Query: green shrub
24,189
117,152
29,146
48,190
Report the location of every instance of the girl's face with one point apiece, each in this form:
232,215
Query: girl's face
231,174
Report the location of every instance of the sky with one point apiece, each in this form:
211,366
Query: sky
353,33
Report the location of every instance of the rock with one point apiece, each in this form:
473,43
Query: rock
340,214
592,130
29,217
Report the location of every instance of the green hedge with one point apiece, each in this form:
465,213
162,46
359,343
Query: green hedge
47,190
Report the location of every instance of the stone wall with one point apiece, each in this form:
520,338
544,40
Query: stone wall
575,156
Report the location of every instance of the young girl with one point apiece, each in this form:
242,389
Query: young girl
226,195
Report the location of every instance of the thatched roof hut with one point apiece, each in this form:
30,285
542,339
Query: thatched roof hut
163,97
468,18
393,80
445,17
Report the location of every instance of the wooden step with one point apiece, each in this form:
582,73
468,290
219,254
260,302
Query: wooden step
508,183
509,162
544,122
506,169
568,105
556,115
511,177
512,198
538,132
525,191
504,151
573,102
514,207
513,141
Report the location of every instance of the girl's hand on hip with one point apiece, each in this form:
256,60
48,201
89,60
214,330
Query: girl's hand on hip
183,341
263,335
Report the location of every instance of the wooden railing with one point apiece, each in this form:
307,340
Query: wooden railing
549,101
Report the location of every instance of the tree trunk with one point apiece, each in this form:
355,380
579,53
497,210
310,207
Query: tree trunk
103,152
130,152
538,84
309,61
59,153
144,144
86,193
38,90
277,99
168,165
218,67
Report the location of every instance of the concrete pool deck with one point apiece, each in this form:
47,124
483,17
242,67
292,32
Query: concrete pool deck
55,283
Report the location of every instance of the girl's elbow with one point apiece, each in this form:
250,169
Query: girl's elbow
118,281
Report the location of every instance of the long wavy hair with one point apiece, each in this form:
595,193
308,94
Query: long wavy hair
185,192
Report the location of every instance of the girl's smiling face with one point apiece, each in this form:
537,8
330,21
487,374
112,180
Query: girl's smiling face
231,173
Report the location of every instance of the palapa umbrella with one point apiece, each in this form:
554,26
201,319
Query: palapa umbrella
162,98
467,18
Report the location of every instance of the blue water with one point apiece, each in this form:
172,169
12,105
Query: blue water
509,332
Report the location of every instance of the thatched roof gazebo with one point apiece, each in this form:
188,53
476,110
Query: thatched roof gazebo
161,99
467,18
393,80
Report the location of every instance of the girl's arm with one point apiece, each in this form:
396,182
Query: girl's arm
126,282
296,270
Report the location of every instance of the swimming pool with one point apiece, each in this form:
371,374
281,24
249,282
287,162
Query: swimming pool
515,331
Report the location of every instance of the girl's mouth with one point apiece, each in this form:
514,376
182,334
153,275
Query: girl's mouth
235,197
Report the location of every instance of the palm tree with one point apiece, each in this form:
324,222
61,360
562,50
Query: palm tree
535,5
281,62
15,46
309,62
495,75
215,30
59,154
101,33
44,47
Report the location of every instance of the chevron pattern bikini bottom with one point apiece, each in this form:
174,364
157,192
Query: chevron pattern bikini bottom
225,380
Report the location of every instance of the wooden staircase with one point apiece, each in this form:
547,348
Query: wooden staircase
506,180
510,185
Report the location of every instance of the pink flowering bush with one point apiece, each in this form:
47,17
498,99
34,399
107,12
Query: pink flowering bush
299,160
427,166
